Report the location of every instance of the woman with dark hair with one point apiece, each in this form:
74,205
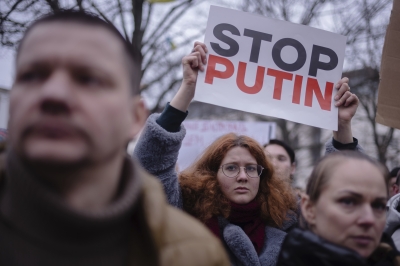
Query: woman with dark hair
232,187
344,212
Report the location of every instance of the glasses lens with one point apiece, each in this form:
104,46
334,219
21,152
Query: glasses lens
230,170
253,170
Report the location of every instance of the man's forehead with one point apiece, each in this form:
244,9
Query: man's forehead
274,149
73,36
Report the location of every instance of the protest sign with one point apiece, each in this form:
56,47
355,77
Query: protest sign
271,67
201,133
388,108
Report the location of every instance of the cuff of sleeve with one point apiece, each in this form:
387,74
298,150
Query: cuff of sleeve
348,146
171,118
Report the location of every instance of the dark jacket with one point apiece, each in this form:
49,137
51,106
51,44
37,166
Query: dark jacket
304,248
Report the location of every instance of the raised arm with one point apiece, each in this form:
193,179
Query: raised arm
347,103
158,146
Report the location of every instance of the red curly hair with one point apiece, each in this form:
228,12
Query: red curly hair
202,195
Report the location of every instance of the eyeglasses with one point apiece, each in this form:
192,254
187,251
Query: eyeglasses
232,170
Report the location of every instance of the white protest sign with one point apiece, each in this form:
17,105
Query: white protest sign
201,133
271,67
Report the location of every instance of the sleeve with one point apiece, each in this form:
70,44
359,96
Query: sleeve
157,151
171,118
334,146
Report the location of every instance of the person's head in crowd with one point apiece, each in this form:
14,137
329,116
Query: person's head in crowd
393,182
3,134
283,159
234,169
75,101
345,201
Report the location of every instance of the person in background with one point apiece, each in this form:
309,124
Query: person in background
392,227
3,134
344,215
69,193
283,156
393,182
283,159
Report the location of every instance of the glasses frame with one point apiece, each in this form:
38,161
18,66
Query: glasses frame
244,169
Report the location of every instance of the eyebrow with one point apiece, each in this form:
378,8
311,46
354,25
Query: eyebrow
359,196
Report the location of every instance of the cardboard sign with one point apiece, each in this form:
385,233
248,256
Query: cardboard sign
388,109
201,133
271,67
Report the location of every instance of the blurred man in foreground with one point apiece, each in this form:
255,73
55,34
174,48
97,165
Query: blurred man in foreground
69,195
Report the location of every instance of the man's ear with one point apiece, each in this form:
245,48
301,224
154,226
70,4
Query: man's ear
293,168
139,115
307,209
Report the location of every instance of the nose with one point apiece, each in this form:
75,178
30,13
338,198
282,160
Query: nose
273,160
367,216
55,94
242,175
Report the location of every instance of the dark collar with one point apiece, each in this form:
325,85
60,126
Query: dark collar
302,247
29,207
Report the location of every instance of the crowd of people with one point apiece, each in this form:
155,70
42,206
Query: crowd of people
71,195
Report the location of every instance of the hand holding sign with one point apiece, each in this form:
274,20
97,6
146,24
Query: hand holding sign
347,103
191,64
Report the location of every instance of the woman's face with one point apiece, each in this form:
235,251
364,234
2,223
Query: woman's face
240,189
351,208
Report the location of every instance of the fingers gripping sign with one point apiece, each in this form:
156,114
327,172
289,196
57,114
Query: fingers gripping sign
346,101
191,64
347,104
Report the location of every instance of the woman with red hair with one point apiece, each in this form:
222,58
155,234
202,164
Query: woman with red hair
231,188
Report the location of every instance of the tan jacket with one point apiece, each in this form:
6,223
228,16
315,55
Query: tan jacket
161,234
179,238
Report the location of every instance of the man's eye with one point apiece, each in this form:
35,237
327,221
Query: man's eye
88,80
281,158
31,76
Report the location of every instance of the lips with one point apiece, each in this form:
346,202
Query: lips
241,189
53,130
362,240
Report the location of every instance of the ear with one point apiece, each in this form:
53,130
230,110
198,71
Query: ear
307,209
293,168
139,115
395,189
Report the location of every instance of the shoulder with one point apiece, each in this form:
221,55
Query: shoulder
181,239
393,216
188,242
156,131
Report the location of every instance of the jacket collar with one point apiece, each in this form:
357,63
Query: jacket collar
302,247
36,211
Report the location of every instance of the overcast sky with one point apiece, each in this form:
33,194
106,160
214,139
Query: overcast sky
6,68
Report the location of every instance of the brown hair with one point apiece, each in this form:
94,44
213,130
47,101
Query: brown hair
324,168
202,195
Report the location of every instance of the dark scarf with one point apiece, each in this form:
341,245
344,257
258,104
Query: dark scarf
303,248
246,216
